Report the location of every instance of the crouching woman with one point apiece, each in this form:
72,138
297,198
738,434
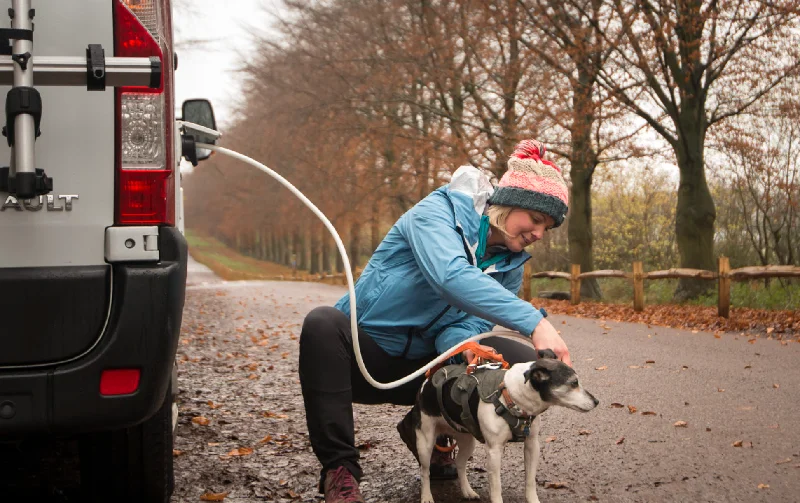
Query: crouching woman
448,269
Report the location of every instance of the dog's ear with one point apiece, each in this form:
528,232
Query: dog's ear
547,353
537,374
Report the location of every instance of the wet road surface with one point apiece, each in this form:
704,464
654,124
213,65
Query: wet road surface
734,399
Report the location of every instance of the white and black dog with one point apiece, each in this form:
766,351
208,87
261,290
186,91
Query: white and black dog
530,388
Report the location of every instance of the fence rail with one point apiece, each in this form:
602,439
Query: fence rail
724,275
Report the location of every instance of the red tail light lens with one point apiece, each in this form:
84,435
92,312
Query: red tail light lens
145,117
119,381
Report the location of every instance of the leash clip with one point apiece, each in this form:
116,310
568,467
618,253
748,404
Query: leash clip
490,366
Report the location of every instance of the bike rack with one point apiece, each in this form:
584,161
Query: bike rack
23,106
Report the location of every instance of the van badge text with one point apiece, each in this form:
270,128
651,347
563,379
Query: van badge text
50,201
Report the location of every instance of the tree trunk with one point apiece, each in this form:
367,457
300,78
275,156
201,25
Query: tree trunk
339,262
580,229
327,240
314,266
355,245
695,214
374,227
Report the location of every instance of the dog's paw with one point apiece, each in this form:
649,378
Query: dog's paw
427,499
470,495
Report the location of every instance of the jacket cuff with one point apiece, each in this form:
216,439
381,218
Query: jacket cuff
533,322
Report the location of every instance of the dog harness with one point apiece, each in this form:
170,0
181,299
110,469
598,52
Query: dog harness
487,382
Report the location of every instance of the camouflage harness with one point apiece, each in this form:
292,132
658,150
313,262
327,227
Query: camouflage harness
487,382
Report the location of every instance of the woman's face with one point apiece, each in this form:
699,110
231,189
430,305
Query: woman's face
524,227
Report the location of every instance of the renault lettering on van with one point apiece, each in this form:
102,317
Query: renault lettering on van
50,202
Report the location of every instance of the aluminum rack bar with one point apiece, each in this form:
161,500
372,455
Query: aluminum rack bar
71,71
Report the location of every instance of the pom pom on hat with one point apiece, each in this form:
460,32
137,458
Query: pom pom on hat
533,183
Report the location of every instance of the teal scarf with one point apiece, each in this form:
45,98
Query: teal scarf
483,237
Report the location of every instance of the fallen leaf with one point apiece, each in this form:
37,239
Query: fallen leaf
633,366
695,331
213,497
763,486
648,413
632,409
213,405
776,385
202,421
738,443
266,439
617,405
214,444
241,451
770,330
783,461
681,424
584,432
550,439
620,440
721,390
604,367
650,361
176,453
751,341
555,485
272,414
748,366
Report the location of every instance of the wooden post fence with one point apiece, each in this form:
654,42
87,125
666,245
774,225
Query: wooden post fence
724,300
575,285
723,276
638,287
526,281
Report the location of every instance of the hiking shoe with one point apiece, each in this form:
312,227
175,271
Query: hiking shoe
443,464
342,487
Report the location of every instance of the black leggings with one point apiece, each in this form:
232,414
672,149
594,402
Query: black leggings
332,382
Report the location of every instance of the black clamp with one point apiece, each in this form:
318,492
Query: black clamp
9,34
25,185
22,60
22,100
155,72
95,68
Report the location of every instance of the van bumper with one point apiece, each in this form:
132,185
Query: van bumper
142,333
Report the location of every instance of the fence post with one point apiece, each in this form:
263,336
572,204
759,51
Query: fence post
638,287
526,282
575,285
724,298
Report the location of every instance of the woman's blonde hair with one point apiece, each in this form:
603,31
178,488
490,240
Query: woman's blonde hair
498,214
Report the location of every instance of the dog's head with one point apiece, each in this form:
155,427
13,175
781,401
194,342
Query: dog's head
558,384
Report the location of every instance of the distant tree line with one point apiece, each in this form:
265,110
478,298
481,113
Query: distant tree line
675,122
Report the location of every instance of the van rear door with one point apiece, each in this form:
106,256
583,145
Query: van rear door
55,285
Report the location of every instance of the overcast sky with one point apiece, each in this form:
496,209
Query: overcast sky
209,70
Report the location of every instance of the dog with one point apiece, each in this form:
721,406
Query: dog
531,388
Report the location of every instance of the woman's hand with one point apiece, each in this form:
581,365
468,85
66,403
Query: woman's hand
546,337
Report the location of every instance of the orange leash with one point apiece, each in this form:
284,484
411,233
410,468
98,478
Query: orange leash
482,355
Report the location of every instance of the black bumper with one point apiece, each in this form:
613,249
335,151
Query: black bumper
142,332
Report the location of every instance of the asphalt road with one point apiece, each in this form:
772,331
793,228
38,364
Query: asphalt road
734,399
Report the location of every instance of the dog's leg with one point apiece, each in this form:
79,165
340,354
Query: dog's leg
466,444
426,438
495,458
532,461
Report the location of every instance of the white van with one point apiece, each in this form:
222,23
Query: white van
92,263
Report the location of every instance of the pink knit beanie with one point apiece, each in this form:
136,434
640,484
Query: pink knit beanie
533,183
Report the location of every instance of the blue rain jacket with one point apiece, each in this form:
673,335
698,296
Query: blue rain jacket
425,264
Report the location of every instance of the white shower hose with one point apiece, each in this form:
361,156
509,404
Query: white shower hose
353,318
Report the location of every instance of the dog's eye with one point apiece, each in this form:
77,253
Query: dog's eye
574,384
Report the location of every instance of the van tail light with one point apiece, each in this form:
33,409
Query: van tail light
119,381
145,164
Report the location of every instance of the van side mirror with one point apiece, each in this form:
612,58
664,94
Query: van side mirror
200,112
